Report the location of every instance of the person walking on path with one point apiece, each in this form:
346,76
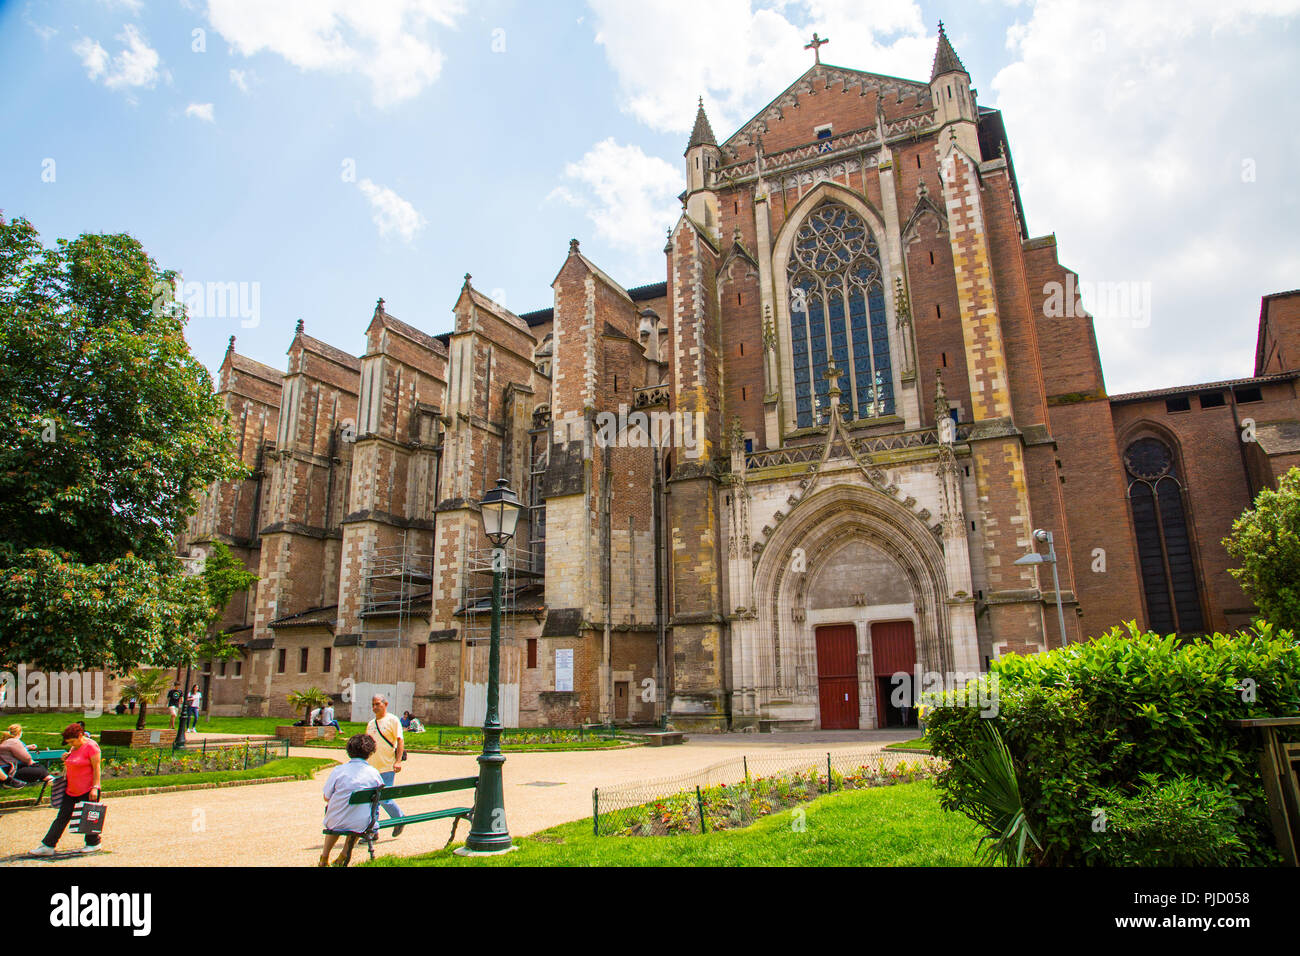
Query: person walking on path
81,767
196,698
345,780
386,731
173,704
16,763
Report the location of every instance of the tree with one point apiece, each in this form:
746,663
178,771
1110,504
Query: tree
1266,540
224,576
145,686
109,429
308,700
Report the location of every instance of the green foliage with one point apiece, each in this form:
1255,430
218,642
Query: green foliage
308,700
145,686
109,429
224,576
1266,540
1092,718
995,801
1180,822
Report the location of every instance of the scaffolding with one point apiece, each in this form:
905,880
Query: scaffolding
398,580
517,582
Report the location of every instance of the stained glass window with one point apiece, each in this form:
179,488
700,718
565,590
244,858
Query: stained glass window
837,310
1164,547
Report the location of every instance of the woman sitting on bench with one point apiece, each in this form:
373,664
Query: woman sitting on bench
345,780
17,768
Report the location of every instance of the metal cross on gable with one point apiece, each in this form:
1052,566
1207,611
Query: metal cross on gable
815,46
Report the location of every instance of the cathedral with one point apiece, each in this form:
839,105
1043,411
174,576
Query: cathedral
806,460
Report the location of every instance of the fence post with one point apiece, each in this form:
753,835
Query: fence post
158,766
205,747
245,754
266,752
699,800
828,773
745,761
595,811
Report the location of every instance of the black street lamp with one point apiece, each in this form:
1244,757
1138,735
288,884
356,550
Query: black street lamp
488,834
179,742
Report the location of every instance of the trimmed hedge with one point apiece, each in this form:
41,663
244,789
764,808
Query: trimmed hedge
1089,724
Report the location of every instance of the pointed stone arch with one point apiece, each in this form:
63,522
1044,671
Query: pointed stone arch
775,653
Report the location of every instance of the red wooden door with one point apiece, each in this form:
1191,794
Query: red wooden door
837,676
893,651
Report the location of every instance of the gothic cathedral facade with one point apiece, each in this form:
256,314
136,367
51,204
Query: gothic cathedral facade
806,461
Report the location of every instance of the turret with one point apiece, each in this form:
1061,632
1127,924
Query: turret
954,100
702,159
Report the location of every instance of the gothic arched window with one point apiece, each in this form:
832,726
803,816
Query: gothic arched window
837,310
1164,546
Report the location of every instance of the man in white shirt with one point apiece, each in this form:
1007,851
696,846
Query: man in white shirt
345,780
313,718
386,731
327,718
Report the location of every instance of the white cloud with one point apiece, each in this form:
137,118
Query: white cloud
136,65
388,42
242,79
631,197
731,44
201,111
391,212
1129,129
93,57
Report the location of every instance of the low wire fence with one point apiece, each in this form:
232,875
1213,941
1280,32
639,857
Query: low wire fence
736,792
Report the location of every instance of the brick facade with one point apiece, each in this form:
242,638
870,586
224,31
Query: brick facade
691,580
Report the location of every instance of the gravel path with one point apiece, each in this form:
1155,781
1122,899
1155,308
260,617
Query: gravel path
280,824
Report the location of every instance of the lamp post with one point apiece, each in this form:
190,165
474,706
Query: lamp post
1049,558
500,511
179,742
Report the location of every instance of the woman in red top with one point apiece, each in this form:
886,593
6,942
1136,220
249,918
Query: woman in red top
81,765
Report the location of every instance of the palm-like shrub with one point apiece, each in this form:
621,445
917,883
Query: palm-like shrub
145,686
308,700
995,802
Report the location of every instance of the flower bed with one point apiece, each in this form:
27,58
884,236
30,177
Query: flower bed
152,763
729,807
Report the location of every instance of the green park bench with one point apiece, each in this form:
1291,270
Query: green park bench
377,795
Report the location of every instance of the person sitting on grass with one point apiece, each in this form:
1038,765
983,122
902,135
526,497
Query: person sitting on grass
17,768
345,780
327,718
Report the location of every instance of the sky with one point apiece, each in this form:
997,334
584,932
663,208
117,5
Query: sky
298,159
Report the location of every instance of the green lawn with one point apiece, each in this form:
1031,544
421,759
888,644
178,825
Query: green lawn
299,767
900,825
44,730
918,743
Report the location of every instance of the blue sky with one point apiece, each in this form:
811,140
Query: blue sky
328,152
